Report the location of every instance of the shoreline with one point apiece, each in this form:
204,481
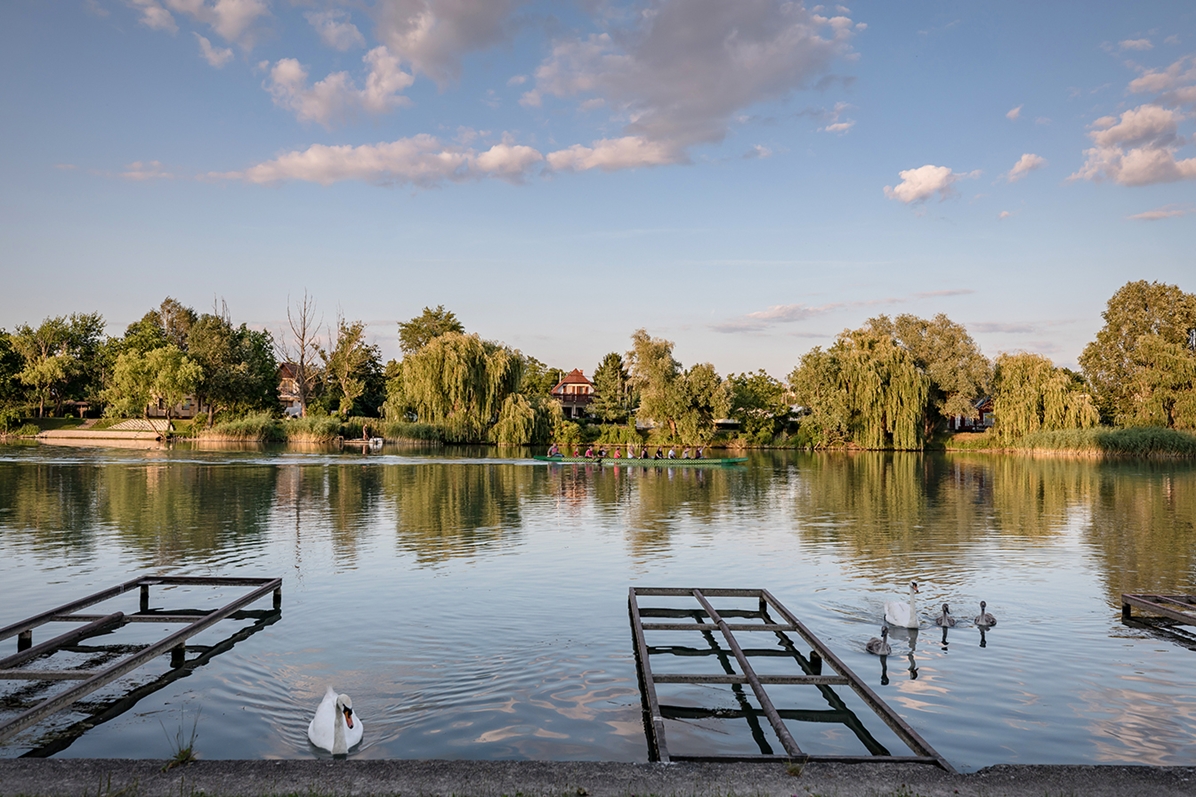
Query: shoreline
54,777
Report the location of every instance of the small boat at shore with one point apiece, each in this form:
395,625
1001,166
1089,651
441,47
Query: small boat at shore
611,462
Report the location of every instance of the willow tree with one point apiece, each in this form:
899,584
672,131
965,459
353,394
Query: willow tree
1031,395
526,419
458,382
866,389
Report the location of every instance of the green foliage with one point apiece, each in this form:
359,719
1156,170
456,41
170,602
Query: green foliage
566,433
458,382
866,389
612,390
426,327
538,378
688,403
348,364
1137,309
261,427
240,372
1163,385
760,404
525,420
10,366
58,359
942,349
164,373
1031,394
1134,441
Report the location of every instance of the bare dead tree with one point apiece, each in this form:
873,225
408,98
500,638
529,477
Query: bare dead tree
300,348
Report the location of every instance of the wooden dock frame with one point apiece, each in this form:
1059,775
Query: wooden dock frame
1161,604
655,714
95,624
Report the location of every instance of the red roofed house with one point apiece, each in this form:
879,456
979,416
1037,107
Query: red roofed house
575,392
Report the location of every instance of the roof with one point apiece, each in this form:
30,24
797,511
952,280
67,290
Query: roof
288,371
574,377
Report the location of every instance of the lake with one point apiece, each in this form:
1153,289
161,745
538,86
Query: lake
474,605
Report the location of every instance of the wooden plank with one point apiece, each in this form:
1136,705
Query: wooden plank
702,678
682,592
908,735
822,759
710,627
45,675
65,698
50,645
770,711
659,745
67,608
1143,603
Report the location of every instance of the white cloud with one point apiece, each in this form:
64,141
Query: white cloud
517,80
1165,212
1135,44
1004,214
1137,148
336,29
232,20
337,97
216,56
421,160
434,35
676,73
1014,113
145,170
1171,40
1178,81
612,154
758,151
834,125
1025,164
154,16
789,313
918,185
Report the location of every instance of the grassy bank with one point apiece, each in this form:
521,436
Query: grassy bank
265,428
1133,442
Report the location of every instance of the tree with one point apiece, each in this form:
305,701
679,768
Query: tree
1030,395
10,366
240,371
1136,309
347,364
58,357
538,378
958,373
760,404
612,390
653,374
1164,384
704,399
302,348
425,327
866,389
174,376
175,320
458,382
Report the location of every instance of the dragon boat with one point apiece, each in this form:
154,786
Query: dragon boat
611,462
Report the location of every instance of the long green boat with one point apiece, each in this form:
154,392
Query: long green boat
611,462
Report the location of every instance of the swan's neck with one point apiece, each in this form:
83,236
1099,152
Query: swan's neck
338,733
913,608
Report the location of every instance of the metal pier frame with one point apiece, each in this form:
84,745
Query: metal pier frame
96,624
708,620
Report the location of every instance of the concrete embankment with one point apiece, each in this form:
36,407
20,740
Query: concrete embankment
128,778
84,434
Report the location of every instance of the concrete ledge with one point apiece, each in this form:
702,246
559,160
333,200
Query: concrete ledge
83,434
130,778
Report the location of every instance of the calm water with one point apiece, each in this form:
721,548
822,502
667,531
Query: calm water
476,607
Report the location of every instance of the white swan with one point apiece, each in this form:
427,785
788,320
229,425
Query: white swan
945,619
903,615
335,727
984,619
880,646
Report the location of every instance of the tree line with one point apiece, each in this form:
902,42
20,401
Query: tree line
892,383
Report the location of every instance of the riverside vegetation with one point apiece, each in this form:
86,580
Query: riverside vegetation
894,383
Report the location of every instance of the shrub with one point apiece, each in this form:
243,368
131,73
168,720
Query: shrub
1134,441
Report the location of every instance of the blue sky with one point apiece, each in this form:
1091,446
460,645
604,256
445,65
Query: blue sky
745,178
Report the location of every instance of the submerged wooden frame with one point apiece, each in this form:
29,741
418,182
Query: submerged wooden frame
1161,604
95,624
655,714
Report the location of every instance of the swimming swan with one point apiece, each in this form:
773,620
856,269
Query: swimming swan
880,646
984,619
328,728
903,615
945,619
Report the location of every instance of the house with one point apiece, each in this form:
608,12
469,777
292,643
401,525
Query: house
288,390
188,408
574,392
981,423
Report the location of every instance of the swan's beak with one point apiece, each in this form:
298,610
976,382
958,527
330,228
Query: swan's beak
349,716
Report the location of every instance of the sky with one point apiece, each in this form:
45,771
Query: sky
744,178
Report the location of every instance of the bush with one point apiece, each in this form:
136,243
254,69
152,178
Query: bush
260,428
9,420
27,430
1143,441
